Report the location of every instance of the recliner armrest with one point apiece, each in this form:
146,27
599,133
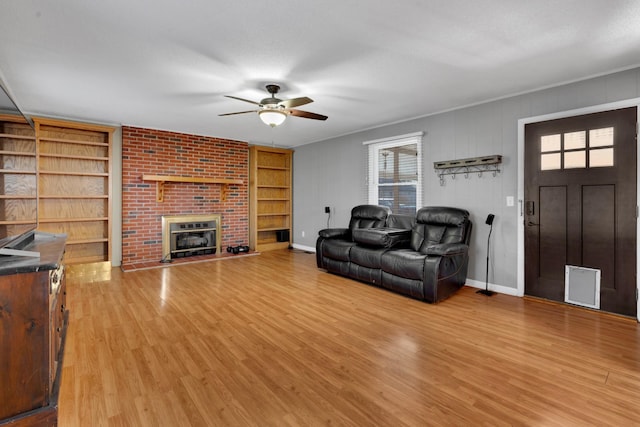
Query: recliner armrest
335,233
447,249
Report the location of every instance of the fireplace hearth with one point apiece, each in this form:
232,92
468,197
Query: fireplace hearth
190,235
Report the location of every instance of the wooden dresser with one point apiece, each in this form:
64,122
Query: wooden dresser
33,325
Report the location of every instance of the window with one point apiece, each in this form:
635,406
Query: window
395,173
576,150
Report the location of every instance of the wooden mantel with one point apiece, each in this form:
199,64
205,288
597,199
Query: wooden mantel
161,179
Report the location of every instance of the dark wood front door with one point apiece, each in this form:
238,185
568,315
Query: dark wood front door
580,205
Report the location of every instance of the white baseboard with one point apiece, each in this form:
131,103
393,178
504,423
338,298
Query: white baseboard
492,287
303,247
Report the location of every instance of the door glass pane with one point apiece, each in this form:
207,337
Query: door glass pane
601,158
550,143
575,159
601,137
550,161
573,140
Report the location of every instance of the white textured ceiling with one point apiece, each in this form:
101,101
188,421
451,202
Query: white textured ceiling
166,64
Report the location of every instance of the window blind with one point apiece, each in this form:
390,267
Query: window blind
395,173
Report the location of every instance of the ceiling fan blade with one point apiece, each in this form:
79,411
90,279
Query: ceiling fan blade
307,115
239,112
242,99
295,102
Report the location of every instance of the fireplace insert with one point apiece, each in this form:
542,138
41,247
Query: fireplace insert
192,238
190,235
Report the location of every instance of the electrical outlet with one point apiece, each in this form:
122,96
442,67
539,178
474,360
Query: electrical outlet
327,209
303,234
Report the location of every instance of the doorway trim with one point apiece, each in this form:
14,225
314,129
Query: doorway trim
633,102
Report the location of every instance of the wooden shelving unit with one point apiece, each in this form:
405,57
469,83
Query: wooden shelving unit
270,207
18,172
74,186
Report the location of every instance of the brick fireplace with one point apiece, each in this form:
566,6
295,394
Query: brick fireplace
155,152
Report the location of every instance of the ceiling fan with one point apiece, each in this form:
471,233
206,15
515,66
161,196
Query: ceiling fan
274,111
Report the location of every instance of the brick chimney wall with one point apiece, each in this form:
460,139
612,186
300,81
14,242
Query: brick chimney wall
155,152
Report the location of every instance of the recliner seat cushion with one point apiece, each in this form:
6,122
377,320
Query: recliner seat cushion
337,249
404,263
366,257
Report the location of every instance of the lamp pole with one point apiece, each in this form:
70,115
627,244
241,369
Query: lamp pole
486,290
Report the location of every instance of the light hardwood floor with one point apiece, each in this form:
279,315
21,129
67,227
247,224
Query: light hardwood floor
270,340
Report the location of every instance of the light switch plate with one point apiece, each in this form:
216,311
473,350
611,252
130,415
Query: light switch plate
510,201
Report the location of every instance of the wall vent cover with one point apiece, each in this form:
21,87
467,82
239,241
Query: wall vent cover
582,286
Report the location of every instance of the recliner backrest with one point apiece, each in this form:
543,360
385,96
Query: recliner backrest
436,224
368,216
401,221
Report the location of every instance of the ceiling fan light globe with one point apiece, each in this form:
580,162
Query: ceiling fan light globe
272,118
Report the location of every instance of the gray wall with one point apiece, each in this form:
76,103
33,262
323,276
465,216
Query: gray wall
333,172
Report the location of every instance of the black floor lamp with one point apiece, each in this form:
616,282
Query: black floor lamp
486,290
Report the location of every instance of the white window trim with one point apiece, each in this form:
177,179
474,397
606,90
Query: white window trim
383,143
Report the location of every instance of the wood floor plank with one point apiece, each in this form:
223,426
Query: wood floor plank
270,340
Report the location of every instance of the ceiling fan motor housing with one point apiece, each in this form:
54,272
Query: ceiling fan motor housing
271,102
273,110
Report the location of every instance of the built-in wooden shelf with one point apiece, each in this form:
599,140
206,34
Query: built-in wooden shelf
96,174
17,153
69,156
270,215
75,197
161,179
73,141
13,136
18,222
85,241
17,196
18,172
285,187
70,220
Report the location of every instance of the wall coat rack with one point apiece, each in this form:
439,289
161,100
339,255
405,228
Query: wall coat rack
479,165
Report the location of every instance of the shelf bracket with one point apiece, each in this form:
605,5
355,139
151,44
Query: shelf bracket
160,191
223,192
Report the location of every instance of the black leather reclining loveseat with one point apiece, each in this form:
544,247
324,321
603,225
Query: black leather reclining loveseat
425,257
